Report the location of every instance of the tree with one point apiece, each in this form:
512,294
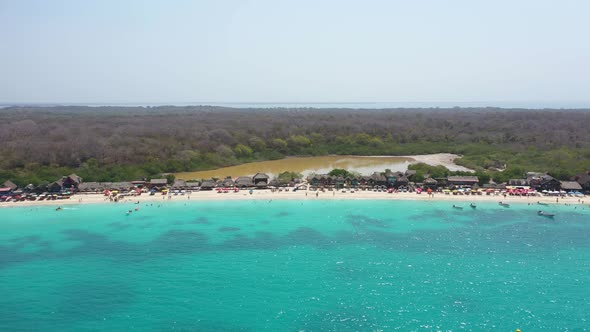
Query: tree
286,177
257,143
279,144
299,141
339,172
170,178
242,150
225,152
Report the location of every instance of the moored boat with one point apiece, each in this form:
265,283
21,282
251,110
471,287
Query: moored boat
545,214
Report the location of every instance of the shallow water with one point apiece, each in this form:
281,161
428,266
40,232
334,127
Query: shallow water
305,165
294,265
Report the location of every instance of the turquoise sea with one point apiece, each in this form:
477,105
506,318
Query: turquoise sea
294,266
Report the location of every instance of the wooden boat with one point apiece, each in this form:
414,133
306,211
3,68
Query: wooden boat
545,214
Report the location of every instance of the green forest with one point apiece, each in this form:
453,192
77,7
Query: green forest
40,144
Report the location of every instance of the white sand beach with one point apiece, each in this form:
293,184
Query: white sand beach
302,195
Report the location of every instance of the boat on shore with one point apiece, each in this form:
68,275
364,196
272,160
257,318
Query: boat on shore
545,214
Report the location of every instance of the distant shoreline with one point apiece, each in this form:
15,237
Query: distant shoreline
524,105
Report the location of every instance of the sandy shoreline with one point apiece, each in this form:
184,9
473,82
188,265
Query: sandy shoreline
300,195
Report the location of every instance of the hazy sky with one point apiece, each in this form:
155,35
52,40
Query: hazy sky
294,51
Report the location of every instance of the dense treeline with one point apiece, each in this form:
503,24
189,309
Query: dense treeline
122,143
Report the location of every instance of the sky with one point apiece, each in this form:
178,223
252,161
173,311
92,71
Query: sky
111,51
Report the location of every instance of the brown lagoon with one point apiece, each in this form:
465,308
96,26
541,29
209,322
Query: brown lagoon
320,165
305,166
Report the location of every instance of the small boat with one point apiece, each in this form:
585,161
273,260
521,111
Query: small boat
473,206
504,204
545,214
541,203
457,207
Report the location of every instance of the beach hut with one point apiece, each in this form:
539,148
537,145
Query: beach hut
179,184
55,186
583,179
377,180
570,186
402,181
71,181
228,182
459,181
89,187
193,185
9,184
158,182
29,188
549,183
244,182
430,183
260,180
208,184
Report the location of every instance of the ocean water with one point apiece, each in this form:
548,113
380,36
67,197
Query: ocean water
294,266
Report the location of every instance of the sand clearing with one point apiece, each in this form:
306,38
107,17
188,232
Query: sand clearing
445,159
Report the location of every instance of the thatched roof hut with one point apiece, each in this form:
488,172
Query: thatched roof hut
158,182
228,182
9,184
570,186
244,182
208,184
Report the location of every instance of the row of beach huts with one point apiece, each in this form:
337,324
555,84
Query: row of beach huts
531,182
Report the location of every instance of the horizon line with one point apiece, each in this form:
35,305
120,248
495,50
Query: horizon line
548,104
